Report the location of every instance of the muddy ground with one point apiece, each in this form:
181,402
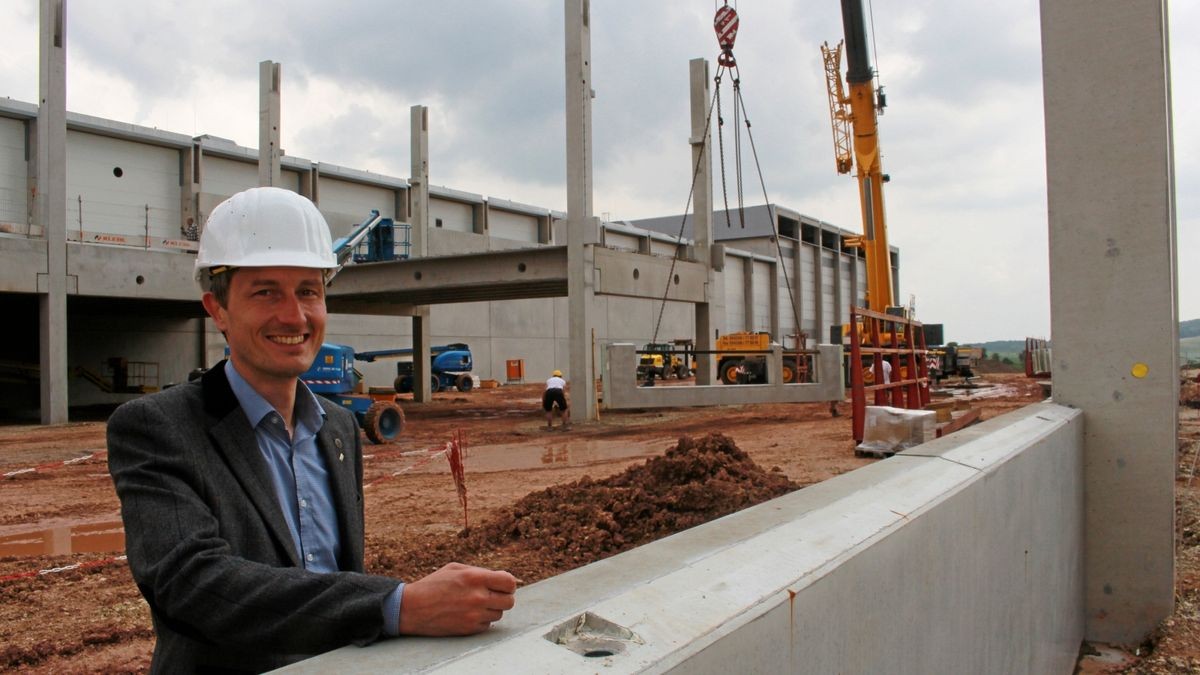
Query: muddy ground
539,502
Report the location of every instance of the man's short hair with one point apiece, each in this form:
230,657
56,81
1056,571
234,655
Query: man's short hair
218,285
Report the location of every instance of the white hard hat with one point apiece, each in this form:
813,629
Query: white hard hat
265,227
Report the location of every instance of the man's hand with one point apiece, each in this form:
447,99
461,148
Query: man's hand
456,600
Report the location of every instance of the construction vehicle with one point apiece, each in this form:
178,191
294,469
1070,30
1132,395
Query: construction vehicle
662,359
858,110
376,239
450,367
333,376
745,353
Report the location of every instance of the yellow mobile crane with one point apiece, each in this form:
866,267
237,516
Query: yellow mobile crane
881,334
859,111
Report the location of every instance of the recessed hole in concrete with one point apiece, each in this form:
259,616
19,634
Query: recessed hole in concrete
520,267
417,276
676,279
592,636
118,172
636,273
140,280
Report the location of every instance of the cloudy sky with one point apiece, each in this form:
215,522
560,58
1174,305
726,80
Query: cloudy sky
962,136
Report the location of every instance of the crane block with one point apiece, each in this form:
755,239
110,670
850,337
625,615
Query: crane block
726,25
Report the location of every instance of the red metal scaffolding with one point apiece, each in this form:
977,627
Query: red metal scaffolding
875,338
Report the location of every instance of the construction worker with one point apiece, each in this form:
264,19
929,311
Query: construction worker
555,398
241,492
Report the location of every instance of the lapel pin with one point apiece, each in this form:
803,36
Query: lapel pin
337,443
341,457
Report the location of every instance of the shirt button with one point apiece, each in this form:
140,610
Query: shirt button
308,557
304,503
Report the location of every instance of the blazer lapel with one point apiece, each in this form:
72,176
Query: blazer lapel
233,438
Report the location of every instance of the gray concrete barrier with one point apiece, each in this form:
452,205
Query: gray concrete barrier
963,555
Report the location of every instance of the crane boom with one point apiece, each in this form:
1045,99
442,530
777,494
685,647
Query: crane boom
860,107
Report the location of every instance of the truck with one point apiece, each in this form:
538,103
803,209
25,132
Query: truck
450,367
745,353
663,359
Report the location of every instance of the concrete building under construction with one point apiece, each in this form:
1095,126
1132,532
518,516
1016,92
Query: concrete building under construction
136,200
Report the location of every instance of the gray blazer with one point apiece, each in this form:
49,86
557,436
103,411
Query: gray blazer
209,547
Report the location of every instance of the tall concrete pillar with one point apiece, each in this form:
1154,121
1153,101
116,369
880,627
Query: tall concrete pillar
1113,294
269,103
52,210
749,315
582,226
418,150
710,315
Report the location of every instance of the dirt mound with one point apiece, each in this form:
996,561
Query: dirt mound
566,526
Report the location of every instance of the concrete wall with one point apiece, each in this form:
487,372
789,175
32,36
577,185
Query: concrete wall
963,555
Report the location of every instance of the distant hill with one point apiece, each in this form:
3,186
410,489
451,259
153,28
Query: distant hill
1189,343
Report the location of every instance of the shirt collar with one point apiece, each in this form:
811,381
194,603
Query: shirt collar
308,410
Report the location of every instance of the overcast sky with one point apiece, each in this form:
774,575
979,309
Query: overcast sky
962,136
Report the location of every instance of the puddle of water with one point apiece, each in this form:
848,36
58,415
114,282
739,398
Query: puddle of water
90,538
551,454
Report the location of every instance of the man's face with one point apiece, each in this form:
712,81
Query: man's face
274,322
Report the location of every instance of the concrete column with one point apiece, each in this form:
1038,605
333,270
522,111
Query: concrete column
773,294
710,316
189,191
582,226
819,289
269,153
1113,294
421,342
52,210
419,180
419,194
798,288
748,316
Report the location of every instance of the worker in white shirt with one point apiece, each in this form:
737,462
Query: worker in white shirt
555,398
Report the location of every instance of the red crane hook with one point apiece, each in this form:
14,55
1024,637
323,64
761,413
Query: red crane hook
726,25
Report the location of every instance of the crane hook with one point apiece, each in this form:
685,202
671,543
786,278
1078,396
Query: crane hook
726,25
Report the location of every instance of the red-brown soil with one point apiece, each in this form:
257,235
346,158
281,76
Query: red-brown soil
540,502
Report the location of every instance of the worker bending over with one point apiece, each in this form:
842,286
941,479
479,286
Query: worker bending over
555,398
242,493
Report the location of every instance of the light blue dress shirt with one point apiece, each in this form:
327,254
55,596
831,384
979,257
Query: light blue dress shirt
301,479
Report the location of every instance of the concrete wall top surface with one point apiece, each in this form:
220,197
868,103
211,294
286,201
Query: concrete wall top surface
679,599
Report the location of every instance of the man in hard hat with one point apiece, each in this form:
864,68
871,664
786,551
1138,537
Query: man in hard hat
241,492
554,398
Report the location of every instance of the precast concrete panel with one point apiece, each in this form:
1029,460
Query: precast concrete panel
449,242
121,187
811,293
844,274
829,307
735,299
472,319
223,177
515,226
347,203
14,177
762,296
515,318
621,241
22,260
664,248
540,354
450,215
787,311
